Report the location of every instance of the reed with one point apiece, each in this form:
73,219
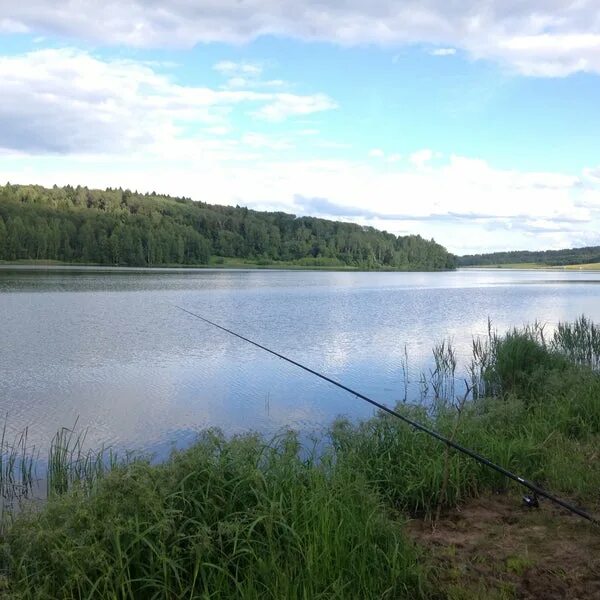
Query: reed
17,464
70,464
442,376
579,342
482,359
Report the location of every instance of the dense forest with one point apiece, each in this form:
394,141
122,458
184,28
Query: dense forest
550,258
120,227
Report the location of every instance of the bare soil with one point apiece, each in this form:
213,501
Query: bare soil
495,548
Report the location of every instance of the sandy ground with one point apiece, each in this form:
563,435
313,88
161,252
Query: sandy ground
497,548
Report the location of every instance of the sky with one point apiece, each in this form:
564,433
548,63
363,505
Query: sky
475,123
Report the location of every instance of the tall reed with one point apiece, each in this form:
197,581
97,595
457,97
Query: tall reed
71,464
579,342
17,464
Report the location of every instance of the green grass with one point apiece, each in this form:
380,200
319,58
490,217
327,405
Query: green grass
304,263
249,519
221,520
582,267
311,264
215,262
508,266
530,265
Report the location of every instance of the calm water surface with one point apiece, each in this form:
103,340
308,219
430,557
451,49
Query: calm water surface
108,346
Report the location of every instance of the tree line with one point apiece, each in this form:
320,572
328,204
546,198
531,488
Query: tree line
121,227
551,258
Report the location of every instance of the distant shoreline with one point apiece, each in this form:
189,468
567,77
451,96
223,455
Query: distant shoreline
283,266
227,264
537,267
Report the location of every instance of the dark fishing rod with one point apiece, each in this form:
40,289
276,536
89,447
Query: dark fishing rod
536,489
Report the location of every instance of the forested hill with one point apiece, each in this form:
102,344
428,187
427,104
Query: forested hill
550,258
120,227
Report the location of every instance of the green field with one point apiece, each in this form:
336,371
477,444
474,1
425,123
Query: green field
584,267
538,266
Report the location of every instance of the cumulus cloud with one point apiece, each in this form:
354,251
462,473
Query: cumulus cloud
245,75
259,140
466,203
536,37
8,25
593,174
284,105
420,158
233,68
443,52
68,101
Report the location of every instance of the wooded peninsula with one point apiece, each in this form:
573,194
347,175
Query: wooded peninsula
548,258
121,227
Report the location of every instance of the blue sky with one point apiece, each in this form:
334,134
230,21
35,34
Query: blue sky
475,124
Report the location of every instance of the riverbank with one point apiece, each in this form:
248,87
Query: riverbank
225,263
254,518
538,266
215,262
300,265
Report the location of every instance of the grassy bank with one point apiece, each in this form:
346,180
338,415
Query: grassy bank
304,264
215,262
243,518
538,266
583,267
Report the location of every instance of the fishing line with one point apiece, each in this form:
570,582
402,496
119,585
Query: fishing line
536,489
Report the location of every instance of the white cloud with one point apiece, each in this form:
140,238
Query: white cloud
238,82
246,75
593,174
551,55
536,37
443,52
259,140
284,105
376,153
420,158
254,83
68,101
218,130
8,25
233,68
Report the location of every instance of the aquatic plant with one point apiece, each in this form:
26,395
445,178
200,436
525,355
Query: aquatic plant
443,374
71,464
579,342
17,462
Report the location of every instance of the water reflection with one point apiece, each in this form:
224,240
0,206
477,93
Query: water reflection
109,346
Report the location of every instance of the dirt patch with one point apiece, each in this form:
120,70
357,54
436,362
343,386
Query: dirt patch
496,548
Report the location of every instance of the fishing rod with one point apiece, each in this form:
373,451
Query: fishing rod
536,489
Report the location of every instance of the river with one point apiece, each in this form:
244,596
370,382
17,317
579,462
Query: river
108,346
